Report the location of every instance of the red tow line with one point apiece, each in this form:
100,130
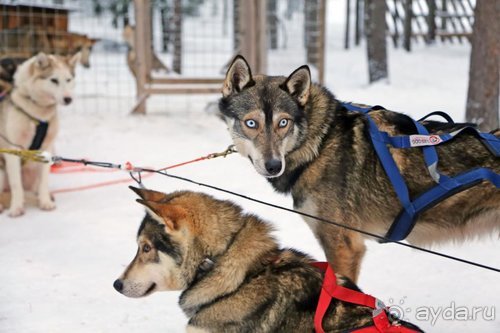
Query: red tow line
331,290
73,167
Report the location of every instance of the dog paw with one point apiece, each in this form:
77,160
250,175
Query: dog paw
16,211
47,205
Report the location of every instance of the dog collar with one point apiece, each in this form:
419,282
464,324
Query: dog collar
206,264
204,267
32,118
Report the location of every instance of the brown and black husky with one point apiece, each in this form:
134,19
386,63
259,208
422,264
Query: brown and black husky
232,273
299,136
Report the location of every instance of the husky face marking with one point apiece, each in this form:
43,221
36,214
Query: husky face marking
266,144
52,78
156,266
176,240
264,119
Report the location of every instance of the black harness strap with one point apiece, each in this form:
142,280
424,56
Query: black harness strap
40,134
41,129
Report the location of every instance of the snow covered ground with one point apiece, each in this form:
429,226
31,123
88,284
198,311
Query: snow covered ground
57,268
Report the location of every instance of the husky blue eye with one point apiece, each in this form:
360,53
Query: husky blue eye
146,248
251,123
283,123
54,81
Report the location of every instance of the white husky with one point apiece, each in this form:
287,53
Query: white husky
28,120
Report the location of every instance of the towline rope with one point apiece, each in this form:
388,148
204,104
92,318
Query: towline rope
44,157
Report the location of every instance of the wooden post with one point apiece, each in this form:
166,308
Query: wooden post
272,22
261,43
225,14
358,24
407,25
253,43
177,62
484,84
311,9
431,22
307,4
148,35
143,46
347,24
247,23
236,26
376,39
321,41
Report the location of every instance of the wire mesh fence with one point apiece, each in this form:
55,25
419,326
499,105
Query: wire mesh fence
437,20
190,39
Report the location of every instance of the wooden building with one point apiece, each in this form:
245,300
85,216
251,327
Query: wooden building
23,14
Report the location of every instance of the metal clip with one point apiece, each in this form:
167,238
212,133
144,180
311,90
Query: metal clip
379,308
137,179
231,149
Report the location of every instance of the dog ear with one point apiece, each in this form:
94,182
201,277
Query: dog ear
167,214
238,76
298,84
148,195
74,59
42,60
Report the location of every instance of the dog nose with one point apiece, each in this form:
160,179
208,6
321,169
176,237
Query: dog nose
118,284
67,100
273,166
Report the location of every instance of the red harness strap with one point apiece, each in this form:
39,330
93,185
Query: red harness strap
331,289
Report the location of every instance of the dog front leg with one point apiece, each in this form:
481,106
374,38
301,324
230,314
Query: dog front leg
45,201
2,187
344,250
13,167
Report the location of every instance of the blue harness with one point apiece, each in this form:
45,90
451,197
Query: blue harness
445,186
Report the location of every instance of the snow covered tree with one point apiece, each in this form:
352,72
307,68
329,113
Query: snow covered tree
484,70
